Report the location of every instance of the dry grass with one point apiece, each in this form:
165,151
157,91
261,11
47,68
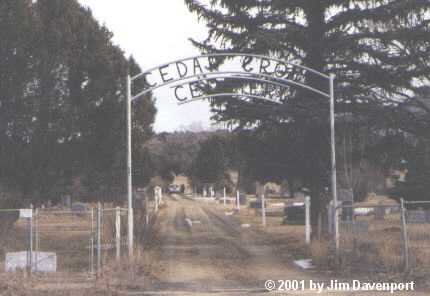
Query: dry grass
419,246
68,235
14,284
378,250
124,275
321,253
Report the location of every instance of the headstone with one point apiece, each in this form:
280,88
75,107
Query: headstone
41,261
256,204
347,211
66,201
285,189
158,193
242,198
418,216
345,195
79,207
25,213
295,214
140,198
259,190
380,212
355,227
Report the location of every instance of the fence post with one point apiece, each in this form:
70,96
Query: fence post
156,200
405,235
308,219
31,242
36,238
263,210
92,242
99,220
118,232
224,196
146,212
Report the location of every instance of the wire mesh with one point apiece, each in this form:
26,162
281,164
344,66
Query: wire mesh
68,235
370,237
418,234
15,240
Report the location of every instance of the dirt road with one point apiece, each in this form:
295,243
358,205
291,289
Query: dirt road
203,251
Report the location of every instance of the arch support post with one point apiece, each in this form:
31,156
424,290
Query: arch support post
333,164
129,171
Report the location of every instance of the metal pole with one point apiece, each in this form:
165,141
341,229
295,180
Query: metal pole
224,197
405,235
92,242
36,238
263,209
118,232
99,225
156,200
238,200
308,219
333,163
31,241
129,170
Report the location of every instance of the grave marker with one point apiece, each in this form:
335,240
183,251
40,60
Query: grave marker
418,216
41,261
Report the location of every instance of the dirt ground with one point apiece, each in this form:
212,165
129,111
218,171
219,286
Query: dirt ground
198,249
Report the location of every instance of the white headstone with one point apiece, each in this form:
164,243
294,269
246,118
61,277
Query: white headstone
25,213
41,261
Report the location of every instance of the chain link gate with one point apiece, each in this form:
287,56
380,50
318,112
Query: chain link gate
371,238
79,241
68,237
110,235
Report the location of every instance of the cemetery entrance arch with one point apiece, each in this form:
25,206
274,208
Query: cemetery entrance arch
183,77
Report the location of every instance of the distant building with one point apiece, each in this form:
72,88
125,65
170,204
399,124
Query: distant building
185,181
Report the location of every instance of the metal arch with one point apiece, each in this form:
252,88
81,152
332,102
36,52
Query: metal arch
238,78
230,95
242,75
232,55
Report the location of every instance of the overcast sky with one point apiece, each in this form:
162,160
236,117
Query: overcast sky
156,32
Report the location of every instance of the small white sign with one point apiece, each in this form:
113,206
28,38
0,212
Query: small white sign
41,261
25,213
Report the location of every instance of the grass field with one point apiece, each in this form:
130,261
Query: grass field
377,250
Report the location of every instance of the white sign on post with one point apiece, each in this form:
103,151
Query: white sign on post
25,213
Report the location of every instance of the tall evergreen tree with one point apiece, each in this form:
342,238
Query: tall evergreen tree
64,111
377,49
17,87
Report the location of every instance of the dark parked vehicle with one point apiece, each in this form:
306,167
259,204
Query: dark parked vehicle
257,204
295,214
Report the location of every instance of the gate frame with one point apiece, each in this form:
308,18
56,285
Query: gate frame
130,97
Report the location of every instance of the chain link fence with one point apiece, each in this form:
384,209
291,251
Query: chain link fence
52,240
16,240
370,237
417,222
63,240
111,237
385,237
